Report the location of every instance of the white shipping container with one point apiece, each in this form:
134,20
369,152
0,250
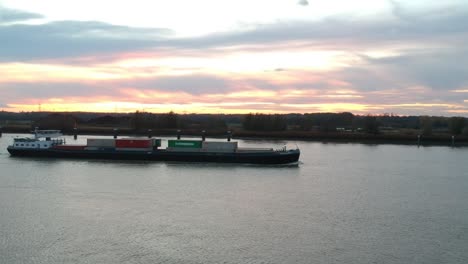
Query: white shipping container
219,146
100,142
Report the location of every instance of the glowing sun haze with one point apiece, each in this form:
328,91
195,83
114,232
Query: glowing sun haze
207,56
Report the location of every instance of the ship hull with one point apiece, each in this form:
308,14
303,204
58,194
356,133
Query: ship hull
267,157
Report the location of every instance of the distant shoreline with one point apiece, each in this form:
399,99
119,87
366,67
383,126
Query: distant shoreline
332,137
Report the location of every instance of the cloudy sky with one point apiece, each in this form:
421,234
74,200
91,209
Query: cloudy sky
212,56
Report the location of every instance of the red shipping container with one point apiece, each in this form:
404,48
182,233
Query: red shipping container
133,143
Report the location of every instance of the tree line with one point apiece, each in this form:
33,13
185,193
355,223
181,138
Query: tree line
322,122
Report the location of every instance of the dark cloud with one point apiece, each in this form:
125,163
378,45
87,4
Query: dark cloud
398,11
303,2
21,42
8,15
339,32
437,69
433,68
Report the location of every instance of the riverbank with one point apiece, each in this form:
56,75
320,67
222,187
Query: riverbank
406,138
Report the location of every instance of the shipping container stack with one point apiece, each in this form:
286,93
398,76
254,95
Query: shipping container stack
123,144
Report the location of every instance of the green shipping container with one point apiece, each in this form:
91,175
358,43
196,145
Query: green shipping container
185,143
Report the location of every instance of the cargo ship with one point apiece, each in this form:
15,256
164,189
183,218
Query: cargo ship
50,144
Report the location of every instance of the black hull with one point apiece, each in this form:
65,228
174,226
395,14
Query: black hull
280,157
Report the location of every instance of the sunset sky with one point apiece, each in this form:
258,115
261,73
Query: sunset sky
215,56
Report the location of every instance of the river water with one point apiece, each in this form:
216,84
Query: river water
344,203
